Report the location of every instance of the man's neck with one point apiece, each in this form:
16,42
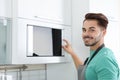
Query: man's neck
96,46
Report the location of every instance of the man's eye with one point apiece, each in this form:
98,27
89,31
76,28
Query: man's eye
83,30
92,30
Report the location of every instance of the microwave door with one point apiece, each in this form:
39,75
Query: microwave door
39,41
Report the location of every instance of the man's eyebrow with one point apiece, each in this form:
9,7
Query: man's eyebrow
92,27
89,27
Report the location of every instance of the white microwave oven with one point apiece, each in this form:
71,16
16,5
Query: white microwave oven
37,42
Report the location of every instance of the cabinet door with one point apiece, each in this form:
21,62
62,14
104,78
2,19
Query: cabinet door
5,40
5,8
55,11
111,12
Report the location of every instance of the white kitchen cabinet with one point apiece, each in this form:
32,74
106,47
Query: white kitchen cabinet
54,11
5,8
111,12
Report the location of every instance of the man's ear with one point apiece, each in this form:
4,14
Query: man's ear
104,32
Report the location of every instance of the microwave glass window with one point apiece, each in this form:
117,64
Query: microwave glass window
43,41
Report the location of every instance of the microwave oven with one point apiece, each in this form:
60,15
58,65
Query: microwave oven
37,42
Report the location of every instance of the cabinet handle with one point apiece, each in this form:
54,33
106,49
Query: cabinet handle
37,17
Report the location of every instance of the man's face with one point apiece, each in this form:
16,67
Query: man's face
91,32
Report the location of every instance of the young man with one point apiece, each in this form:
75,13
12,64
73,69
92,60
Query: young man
101,64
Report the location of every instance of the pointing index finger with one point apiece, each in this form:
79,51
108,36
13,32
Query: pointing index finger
66,41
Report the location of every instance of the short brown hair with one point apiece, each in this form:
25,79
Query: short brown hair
101,18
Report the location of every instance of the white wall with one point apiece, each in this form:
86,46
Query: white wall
63,71
78,12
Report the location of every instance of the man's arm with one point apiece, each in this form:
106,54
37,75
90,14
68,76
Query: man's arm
69,50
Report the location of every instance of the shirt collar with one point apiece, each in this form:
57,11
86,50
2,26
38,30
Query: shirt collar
92,52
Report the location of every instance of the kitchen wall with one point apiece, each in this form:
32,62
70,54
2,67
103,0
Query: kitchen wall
23,72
